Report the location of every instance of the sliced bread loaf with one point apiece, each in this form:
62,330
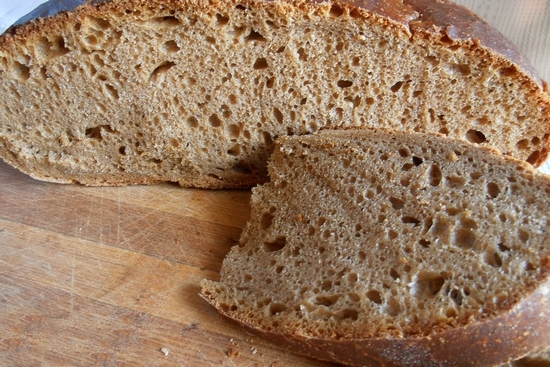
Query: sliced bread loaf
195,91
382,248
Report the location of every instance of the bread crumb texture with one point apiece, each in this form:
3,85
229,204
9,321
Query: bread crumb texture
196,92
378,234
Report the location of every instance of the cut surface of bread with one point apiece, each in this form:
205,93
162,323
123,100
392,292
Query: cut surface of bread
196,92
385,248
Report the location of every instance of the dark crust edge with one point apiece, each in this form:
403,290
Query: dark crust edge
508,336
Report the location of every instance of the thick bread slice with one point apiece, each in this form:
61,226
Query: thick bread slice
140,91
384,248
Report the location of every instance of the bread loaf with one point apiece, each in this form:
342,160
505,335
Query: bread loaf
383,248
196,92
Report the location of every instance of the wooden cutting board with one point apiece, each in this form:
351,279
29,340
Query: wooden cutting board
110,276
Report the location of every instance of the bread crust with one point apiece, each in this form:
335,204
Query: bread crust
517,331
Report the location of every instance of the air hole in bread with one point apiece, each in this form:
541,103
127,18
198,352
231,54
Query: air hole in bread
278,115
266,221
456,296
267,138
170,47
523,235
417,161
244,168
464,238
410,220
237,33
462,69
434,175
164,22
235,150
394,274
221,20
475,175
395,88
493,190
426,285
404,152
392,306
396,203
327,300
122,150
91,40
277,245
254,36
215,120
51,48
455,181
348,313
20,71
97,131
192,122
352,279
234,131
111,91
276,308
344,83
160,70
475,136
424,243
336,11
326,285
492,258
534,157
374,296
407,167
503,248
260,64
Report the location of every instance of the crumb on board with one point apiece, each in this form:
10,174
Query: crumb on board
165,351
232,353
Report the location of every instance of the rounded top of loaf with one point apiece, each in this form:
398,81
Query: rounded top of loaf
445,22
440,21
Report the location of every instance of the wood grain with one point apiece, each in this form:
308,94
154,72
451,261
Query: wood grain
110,276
